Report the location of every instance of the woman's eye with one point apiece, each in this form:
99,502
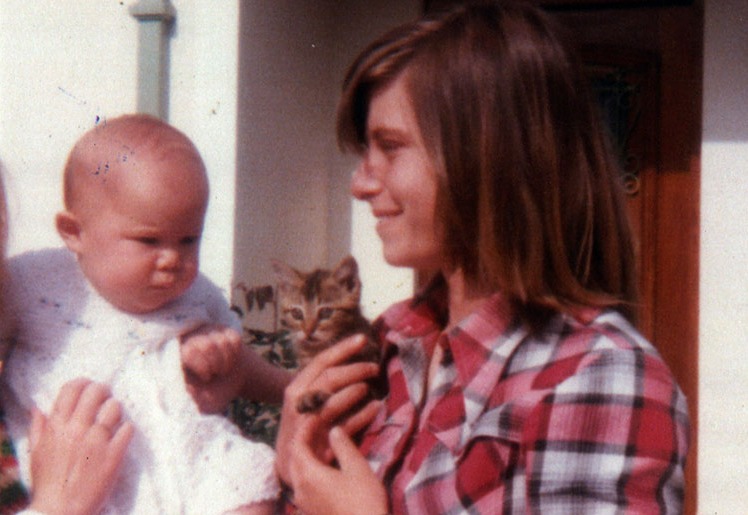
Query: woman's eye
324,313
389,146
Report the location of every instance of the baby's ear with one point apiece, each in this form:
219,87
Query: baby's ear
69,229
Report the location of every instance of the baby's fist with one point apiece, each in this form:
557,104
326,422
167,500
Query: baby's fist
210,351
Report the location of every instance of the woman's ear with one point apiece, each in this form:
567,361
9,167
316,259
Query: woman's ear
69,229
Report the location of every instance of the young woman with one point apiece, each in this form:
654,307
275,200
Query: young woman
517,380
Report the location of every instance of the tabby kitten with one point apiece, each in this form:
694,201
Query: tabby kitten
319,308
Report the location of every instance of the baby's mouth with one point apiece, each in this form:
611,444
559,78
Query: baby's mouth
164,282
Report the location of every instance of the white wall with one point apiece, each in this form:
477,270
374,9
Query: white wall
292,196
66,63
723,331
204,62
61,68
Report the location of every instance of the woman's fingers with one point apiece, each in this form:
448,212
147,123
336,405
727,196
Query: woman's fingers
329,380
86,405
321,488
344,400
91,399
325,373
362,418
76,452
335,355
109,414
38,421
352,423
120,441
349,457
67,399
303,454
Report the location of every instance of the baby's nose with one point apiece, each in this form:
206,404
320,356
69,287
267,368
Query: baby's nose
168,258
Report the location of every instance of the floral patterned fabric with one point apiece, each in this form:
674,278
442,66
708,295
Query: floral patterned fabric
257,420
13,495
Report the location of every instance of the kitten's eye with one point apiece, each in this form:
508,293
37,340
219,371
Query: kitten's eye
297,314
324,313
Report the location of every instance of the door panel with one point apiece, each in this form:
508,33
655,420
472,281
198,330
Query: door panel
657,54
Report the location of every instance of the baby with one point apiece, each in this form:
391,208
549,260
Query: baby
114,308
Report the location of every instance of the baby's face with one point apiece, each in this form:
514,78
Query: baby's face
140,249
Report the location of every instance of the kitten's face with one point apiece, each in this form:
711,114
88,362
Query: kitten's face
317,307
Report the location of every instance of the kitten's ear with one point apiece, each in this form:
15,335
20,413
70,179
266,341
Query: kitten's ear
69,228
284,273
346,273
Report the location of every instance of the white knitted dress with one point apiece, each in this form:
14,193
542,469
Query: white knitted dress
180,461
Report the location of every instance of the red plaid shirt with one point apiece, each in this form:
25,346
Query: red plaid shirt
585,419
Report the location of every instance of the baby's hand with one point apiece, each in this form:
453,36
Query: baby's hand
210,351
211,359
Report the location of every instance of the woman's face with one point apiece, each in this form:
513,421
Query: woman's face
397,178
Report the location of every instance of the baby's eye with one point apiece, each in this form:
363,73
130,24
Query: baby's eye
189,240
147,240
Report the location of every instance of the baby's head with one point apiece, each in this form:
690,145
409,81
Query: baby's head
135,192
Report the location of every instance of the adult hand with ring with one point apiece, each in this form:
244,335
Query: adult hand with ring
77,449
329,373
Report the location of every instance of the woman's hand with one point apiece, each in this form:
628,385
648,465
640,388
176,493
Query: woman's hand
299,433
322,489
77,450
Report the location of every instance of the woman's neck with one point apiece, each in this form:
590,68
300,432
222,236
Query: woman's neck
462,301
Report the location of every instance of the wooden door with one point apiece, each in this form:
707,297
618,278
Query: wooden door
645,61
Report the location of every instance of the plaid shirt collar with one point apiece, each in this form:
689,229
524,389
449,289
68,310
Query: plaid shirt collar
476,349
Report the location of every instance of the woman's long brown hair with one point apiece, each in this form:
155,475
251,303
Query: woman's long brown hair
529,198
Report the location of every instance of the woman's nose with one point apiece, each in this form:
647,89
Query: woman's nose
364,183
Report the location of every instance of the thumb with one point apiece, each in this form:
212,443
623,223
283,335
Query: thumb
38,421
345,451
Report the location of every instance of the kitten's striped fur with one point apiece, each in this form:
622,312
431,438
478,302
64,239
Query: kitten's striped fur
319,308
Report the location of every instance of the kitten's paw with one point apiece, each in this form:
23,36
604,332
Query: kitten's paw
311,402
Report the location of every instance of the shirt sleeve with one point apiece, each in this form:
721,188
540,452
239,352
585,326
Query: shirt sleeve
611,436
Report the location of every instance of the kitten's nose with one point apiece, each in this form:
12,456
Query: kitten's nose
309,328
